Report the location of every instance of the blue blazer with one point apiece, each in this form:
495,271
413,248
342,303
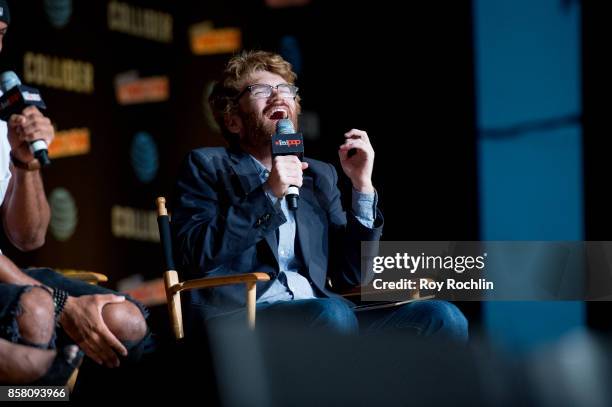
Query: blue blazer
224,223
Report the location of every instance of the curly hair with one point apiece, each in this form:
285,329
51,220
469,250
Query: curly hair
222,98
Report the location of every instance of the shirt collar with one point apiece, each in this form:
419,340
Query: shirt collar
262,171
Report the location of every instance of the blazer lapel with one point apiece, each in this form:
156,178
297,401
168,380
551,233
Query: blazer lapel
273,243
246,172
304,216
244,168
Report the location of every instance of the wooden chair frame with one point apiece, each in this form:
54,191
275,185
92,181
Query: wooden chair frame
174,286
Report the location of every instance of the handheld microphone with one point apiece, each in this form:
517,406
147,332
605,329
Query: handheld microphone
287,142
16,97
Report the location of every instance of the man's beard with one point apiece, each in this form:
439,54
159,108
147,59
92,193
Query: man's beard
259,130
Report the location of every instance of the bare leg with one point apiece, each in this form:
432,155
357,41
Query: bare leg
125,321
36,320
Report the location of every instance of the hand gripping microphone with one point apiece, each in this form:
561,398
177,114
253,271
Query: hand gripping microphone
16,97
287,142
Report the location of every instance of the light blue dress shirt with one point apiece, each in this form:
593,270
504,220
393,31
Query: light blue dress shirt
291,285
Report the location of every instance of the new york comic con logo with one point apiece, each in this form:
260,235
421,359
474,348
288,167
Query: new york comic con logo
288,143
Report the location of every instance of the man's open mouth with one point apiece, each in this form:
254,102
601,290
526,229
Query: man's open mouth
277,113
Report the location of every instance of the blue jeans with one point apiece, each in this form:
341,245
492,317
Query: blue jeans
431,318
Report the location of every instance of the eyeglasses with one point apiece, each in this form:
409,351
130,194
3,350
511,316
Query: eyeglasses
263,91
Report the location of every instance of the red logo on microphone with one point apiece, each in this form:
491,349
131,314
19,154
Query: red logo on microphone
288,143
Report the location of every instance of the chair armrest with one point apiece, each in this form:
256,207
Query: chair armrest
207,282
174,287
85,276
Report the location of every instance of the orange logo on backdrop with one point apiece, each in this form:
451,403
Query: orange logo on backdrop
68,143
206,40
144,90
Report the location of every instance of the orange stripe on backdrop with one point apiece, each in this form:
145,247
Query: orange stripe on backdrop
70,143
217,41
144,90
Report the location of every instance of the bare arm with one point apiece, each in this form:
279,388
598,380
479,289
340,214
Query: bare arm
11,274
25,211
23,364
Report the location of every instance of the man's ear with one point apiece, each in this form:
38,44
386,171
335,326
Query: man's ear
233,123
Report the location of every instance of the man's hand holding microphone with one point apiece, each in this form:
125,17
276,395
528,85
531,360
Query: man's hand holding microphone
29,131
287,170
26,128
